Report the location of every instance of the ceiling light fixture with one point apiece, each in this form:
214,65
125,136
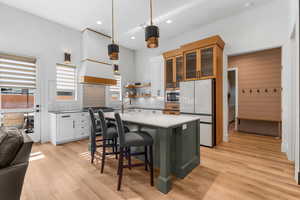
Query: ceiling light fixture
248,4
132,37
113,49
169,21
151,32
99,22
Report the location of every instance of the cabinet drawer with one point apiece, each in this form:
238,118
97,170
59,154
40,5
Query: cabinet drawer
172,106
171,112
207,119
65,116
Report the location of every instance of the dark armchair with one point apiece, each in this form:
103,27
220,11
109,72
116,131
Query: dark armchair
15,149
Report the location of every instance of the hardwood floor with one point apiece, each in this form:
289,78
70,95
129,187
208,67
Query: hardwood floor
246,168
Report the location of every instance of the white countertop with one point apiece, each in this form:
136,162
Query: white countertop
154,119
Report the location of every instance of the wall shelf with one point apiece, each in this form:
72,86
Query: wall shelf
139,96
138,86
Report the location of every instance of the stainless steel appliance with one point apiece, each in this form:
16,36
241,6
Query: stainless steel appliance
198,97
172,96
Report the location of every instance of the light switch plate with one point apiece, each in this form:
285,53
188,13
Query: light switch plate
184,126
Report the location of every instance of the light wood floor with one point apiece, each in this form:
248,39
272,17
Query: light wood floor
247,167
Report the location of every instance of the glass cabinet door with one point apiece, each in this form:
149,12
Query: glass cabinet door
169,73
191,65
179,70
207,62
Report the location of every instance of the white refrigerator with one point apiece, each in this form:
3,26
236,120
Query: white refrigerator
197,97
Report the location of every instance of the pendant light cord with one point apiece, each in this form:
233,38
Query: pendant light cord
112,19
151,12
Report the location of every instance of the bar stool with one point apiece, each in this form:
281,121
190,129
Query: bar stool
133,139
109,136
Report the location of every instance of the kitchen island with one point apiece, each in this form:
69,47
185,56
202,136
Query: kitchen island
176,143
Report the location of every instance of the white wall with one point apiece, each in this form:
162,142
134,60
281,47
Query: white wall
25,34
256,29
291,71
29,35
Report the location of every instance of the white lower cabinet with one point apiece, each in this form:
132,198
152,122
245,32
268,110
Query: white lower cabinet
69,127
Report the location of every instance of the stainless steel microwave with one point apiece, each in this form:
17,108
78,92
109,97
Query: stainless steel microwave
172,96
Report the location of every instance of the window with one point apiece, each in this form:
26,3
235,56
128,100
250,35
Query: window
17,82
65,82
116,90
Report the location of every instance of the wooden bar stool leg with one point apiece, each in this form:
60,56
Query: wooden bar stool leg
103,156
146,158
116,147
121,160
151,166
92,156
129,158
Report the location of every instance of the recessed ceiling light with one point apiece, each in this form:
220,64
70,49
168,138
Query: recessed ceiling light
169,21
248,4
132,37
99,22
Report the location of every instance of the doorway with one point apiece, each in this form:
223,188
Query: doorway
232,98
256,93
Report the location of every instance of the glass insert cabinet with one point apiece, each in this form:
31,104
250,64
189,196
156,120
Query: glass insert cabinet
194,61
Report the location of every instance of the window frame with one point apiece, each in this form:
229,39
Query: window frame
75,91
118,86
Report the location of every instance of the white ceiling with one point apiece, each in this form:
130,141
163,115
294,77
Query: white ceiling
185,14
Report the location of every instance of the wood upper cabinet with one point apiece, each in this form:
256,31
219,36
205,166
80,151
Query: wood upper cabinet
208,62
179,70
191,63
169,69
174,69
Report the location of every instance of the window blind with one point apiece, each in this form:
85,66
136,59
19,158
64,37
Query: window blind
65,77
17,72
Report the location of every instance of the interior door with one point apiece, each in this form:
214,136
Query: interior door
203,96
187,96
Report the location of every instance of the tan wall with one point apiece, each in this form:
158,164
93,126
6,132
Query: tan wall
259,82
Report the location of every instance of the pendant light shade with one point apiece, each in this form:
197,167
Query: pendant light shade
151,32
116,68
67,59
113,49
152,35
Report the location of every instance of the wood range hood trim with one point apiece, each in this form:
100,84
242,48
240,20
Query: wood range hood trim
97,81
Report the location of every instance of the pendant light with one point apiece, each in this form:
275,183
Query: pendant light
113,49
116,68
151,32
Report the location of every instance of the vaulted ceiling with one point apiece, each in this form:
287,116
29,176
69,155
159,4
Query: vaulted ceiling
131,15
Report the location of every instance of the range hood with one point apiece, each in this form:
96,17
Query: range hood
96,72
